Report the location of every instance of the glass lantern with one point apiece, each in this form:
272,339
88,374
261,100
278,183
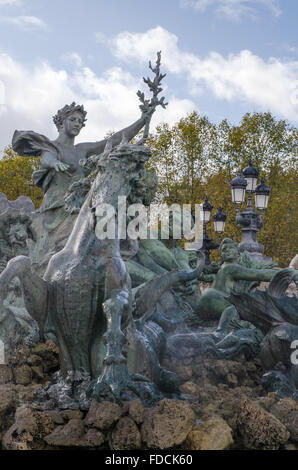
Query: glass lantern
261,196
251,176
206,211
219,221
238,186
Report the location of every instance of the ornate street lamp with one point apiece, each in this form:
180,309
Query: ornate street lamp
251,222
238,186
219,221
207,244
261,196
219,226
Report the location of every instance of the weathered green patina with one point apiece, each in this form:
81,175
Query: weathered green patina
214,300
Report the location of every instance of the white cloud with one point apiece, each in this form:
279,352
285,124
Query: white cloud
33,95
175,110
266,85
25,22
234,10
132,47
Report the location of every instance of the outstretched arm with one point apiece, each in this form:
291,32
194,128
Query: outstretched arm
92,148
240,273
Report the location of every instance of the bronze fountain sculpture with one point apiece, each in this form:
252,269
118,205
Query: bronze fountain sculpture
106,304
84,298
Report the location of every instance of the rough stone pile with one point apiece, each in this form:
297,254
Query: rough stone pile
226,413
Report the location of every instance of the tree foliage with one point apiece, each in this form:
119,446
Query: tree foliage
181,157
196,157
15,177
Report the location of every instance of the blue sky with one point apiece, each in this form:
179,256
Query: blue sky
222,58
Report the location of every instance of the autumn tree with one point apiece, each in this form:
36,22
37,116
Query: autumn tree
272,146
181,157
15,177
195,157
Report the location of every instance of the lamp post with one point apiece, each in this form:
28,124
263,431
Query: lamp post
219,220
208,244
250,221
